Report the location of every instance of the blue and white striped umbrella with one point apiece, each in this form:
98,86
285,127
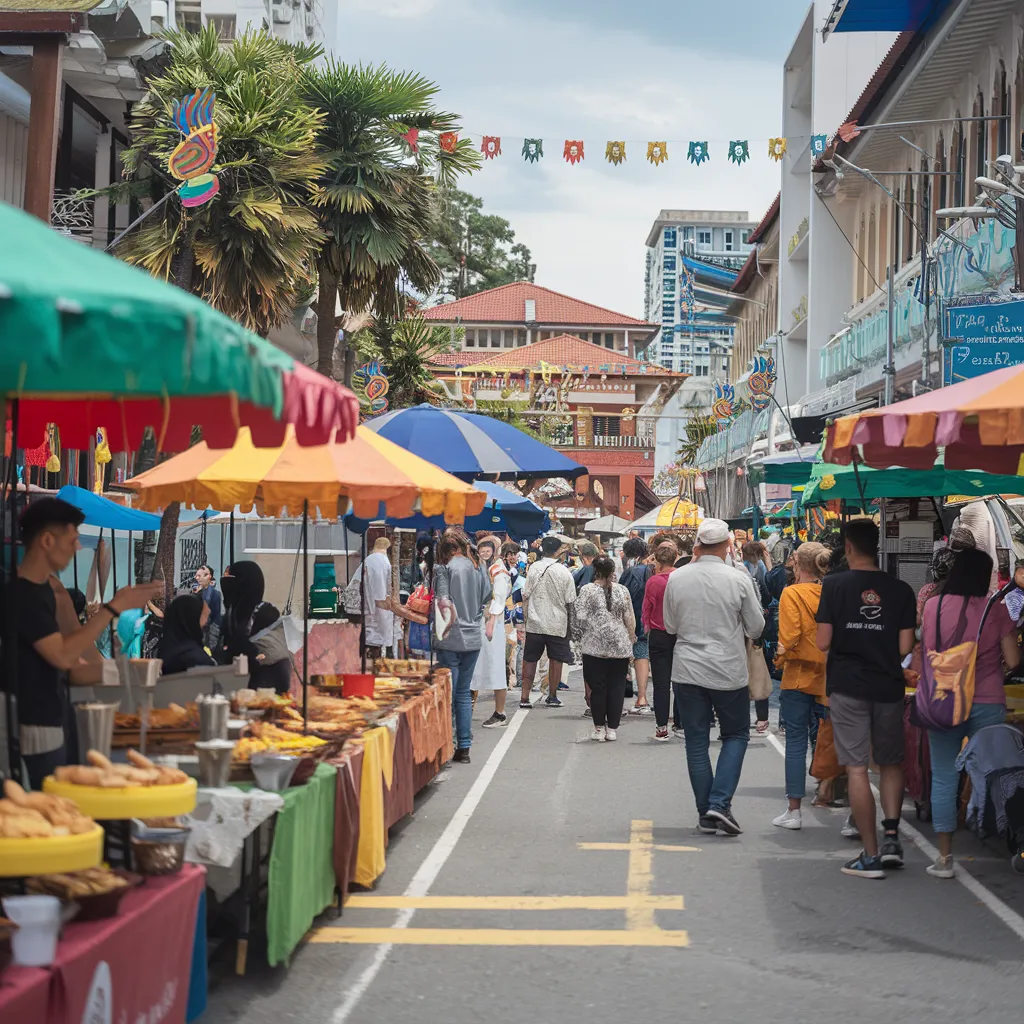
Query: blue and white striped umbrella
471,446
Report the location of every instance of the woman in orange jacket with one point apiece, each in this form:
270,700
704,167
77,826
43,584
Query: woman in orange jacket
803,670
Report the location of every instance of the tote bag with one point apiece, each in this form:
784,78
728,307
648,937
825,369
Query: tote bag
945,691
758,678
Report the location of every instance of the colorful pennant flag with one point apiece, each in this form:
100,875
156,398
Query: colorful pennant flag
573,151
657,153
533,150
615,152
819,143
698,153
777,149
448,141
412,139
491,146
739,151
849,131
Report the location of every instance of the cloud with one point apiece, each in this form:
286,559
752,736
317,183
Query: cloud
530,76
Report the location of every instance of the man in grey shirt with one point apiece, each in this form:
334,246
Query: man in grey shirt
712,608
460,592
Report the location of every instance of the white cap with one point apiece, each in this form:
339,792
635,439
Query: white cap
712,532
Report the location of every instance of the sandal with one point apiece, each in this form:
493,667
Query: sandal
762,727
640,709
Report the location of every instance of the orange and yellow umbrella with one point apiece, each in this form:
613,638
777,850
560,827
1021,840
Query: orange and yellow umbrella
364,474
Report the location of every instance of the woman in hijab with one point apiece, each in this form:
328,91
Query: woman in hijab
253,627
181,645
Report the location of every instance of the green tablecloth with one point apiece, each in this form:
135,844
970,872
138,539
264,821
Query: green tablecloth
301,878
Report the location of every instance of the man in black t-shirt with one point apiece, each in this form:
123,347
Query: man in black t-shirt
49,531
866,622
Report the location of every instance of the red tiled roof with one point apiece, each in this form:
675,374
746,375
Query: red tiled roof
564,350
766,220
507,305
453,359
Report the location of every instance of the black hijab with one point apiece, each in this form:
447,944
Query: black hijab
243,592
181,645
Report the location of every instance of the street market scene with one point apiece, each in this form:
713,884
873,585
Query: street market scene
419,601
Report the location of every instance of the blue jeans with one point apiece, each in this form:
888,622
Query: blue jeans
945,746
461,664
797,711
711,790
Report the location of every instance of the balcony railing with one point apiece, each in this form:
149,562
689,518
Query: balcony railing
602,441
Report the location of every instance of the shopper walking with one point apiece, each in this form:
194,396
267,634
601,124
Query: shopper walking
712,608
634,579
460,592
803,672
607,628
956,616
491,670
548,594
661,643
866,624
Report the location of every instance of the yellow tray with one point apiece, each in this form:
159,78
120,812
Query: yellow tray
19,857
129,801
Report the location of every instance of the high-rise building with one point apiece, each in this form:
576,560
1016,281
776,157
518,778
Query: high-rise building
713,240
294,21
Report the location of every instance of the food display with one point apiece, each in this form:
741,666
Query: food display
78,884
39,815
264,737
264,699
403,666
172,717
102,772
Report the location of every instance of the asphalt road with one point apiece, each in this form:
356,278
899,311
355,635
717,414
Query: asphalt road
544,882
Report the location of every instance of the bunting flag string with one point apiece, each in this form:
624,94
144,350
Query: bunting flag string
777,149
615,152
698,153
491,146
533,150
573,151
657,153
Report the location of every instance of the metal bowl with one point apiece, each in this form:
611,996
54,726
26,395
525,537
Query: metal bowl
273,772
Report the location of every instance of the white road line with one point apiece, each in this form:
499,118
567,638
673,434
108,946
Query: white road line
1009,917
431,867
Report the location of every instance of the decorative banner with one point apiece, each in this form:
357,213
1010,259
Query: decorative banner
657,153
491,146
739,151
573,152
776,149
723,405
698,153
373,382
615,152
761,382
533,150
819,143
849,131
192,158
412,139
448,141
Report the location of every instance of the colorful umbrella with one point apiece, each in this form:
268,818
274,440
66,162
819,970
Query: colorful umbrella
979,422
367,471
471,446
675,513
88,341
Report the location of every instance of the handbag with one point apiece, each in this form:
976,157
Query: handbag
758,678
945,691
419,600
825,763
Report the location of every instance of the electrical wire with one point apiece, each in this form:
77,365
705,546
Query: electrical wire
848,241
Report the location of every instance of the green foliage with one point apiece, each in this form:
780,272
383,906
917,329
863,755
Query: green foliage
253,247
476,251
513,413
698,430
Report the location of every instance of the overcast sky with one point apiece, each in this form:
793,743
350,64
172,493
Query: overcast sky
596,70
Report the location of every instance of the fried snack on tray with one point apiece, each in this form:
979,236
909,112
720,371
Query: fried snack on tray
172,717
39,815
107,775
74,885
265,738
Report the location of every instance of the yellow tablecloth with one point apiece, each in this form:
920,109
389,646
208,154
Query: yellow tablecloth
378,757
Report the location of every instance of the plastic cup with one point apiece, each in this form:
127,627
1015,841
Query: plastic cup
38,918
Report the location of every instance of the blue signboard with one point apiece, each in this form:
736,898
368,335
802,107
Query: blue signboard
983,337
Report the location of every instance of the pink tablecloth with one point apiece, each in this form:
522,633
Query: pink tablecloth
24,994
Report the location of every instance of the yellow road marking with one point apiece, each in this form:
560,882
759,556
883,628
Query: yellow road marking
654,937
640,875
369,902
659,847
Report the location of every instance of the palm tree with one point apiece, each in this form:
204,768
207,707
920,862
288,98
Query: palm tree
377,200
250,251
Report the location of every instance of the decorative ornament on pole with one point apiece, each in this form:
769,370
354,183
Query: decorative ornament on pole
573,151
723,405
491,146
777,149
448,141
657,152
698,153
739,151
615,152
373,381
533,150
761,382
192,158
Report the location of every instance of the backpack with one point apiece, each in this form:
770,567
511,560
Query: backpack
634,579
945,691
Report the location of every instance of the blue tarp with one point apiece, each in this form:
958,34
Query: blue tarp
504,512
107,514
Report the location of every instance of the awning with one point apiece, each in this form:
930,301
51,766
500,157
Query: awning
881,15
107,514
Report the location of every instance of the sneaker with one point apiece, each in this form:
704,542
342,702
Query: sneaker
864,867
563,686
598,735
707,825
641,709
849,829
553,702
610,735
587,713
789,819
661,735
461,756
892,852
727,824
525,705
496,721
942,868
679,732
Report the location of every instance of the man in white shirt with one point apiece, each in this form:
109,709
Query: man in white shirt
548,592
712,608
380,620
